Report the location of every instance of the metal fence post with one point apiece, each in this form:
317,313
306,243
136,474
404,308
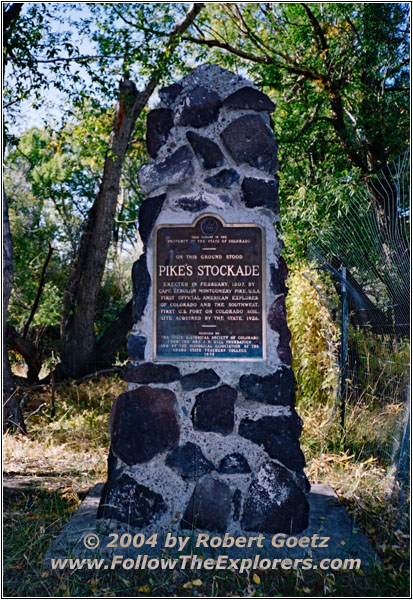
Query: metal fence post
343,346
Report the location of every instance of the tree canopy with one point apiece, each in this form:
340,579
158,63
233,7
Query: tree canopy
337,72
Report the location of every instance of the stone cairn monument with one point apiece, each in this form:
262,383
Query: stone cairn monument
207,437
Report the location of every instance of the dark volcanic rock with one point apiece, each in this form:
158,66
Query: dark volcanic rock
171,171
279,436
274,503
159,123
224,178
249,140
302,481
277,282
189,461
151,373
209,507
136,347
191,204
214,410
258,192
277,319
148,213
141,282
129,502
207,152
144,424
113,470
234,463
277,388
249,97
205,378
236,505
169,94
282,266
201,107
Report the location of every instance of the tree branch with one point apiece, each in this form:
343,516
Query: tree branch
316,26
28,351
266,60
39,291
10,16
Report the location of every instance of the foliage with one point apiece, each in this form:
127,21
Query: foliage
381,370
339,76
51,179
131,40
315,338
39,55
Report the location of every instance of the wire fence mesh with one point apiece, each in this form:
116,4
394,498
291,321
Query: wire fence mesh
365,254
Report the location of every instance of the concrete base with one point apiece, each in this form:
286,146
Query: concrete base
328,519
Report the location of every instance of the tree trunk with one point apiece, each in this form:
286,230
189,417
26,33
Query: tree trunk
28,351
80,295
78,344
12,415
113,336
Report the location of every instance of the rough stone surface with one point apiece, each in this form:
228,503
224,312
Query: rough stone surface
205,378
141,283
213,151
328,518
207,152
282,265
279,436
224,178
136,347
249,140
144,424
191,204
214,410
159,123
151,373
277,281
169,94
234,463
274,503
171,171
276,389
258,192
129,502
302,481
113,470
236,505
250,98
148,213
201,107
209,507
189,461
277,319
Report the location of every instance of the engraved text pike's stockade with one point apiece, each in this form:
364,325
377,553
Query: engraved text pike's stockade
207,436
209,287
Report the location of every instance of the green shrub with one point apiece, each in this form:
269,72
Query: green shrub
315,338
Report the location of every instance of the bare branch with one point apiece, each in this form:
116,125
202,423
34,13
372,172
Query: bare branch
39,290
291,67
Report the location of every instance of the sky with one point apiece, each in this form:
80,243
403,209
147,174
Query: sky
53,100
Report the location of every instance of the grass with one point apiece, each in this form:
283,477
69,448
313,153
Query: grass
49,471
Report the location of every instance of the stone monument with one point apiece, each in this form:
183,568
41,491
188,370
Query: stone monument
207,437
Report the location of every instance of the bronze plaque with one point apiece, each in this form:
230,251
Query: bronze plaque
209,291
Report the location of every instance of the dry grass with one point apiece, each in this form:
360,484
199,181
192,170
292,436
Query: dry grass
62,457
